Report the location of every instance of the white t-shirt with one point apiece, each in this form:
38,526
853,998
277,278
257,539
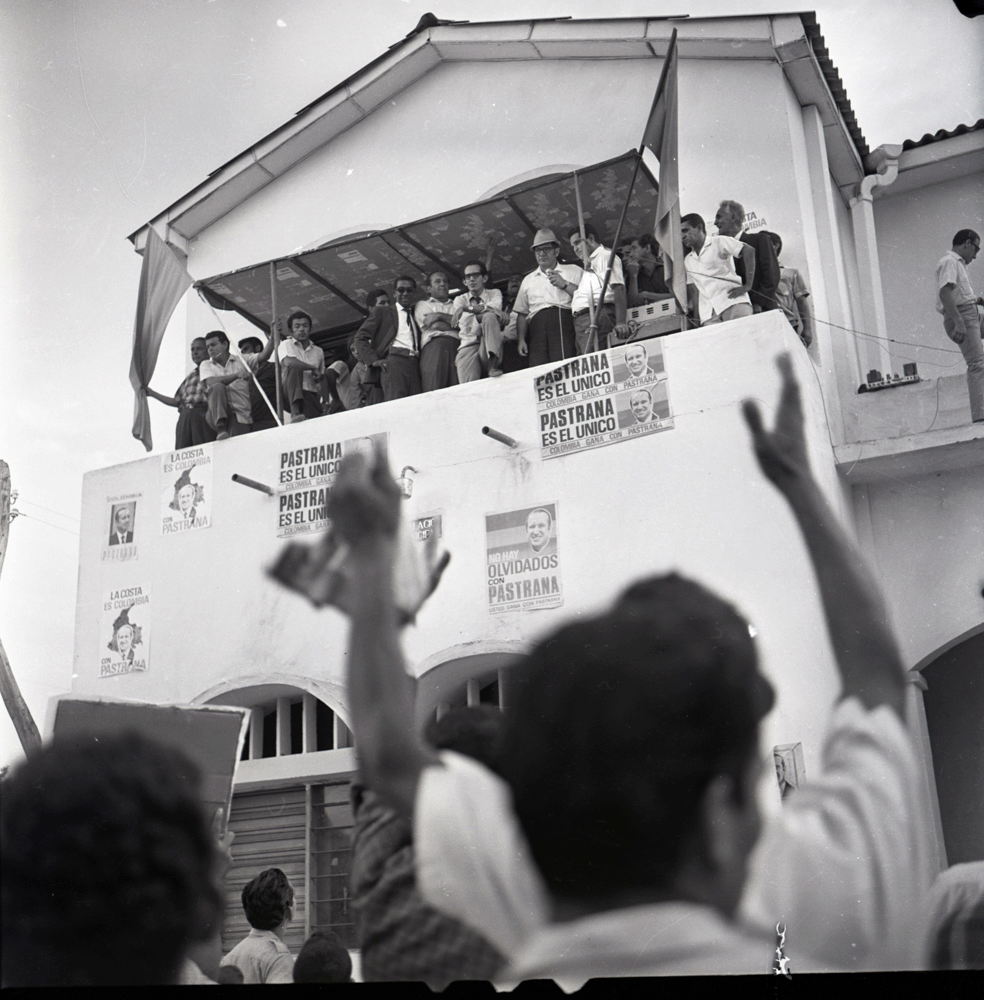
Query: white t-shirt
592,280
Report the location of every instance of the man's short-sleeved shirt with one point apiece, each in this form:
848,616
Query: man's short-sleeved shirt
191,393
537,292
844,867
591,281
237,392
951,270
310,355
349,384
262,958
790,288
713,272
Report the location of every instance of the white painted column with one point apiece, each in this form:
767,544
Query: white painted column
875,352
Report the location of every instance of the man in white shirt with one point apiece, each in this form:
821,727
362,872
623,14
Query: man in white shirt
302,369
227,380
956,302
717,294
438,336
479,315
543,305
611,316
644,875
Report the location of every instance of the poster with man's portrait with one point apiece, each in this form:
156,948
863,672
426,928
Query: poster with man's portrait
124,635
522,561
186,490
120,539
790,770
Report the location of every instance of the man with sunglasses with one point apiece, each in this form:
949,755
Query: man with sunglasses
956,302
545,327
392,335
478,315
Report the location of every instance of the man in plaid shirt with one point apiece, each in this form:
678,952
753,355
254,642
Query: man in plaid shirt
191,399
401,937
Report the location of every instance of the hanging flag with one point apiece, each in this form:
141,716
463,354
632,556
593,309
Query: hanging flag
661,137
163,280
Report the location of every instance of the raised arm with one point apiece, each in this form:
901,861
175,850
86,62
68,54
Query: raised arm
865,649
365,506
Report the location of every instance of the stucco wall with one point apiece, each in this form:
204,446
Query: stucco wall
690,498
915,229
929,544
466,128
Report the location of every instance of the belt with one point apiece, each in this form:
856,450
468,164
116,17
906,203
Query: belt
402,352
584,312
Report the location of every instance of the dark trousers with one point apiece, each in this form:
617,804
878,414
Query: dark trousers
401,376
551,336
192,428
296,396
437,368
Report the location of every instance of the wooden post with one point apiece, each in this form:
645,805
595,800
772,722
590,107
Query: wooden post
586,259
20,714
276,338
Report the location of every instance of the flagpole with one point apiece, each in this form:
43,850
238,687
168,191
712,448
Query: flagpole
276,339
585,257
660,87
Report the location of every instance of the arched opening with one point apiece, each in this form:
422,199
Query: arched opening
954,703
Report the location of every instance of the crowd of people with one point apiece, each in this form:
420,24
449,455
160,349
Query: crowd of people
420,339
606,824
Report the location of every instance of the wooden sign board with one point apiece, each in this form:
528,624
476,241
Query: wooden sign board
211,735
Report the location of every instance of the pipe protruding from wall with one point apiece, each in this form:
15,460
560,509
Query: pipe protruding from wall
499,436
405,482
245,481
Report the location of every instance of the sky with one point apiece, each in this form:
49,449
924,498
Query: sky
113,109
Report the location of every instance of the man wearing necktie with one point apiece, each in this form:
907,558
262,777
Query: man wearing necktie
391,334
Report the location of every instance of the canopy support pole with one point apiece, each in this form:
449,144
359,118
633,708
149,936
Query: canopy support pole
275,315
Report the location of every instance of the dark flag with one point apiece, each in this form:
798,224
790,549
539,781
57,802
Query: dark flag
661,137
163,280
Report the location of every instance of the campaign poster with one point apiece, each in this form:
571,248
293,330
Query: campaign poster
305,479
600,399
124,634
122,528
186,490
523,564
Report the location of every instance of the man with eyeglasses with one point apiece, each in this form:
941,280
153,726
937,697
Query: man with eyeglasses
391,334
478,315
545,327
956,301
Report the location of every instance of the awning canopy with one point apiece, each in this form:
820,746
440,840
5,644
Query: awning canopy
331,282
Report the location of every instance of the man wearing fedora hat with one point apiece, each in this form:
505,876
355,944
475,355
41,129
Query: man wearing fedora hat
543,305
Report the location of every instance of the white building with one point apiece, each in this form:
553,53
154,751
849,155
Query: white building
457,115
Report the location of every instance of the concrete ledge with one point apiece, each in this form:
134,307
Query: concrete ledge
297,768
943,450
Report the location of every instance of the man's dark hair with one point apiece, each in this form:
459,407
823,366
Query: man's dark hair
405,277
107,864
253,342
374,296
694,221
266,899
589,231
965,236
230,975
648,241
298,314
323,959
776,241
620,723
475,731
479,265
218,335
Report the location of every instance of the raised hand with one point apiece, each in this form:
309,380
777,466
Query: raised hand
365,500
782,453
